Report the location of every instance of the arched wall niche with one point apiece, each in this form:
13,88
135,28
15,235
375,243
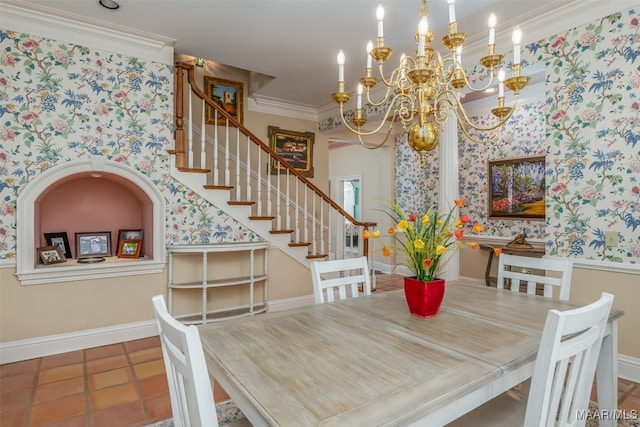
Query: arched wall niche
89,196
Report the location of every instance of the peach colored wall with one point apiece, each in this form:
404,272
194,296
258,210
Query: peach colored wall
89,204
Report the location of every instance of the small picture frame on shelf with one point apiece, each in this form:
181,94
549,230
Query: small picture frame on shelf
132,234
129,248
93,244
51,255
59,239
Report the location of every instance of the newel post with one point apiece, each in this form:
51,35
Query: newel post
179,107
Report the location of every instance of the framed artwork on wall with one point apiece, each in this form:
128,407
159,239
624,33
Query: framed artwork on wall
228,95
93,244
517,188
296,148
129,248
51,255
59,239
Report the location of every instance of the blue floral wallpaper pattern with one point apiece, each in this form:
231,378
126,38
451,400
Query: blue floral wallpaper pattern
589,129
62,102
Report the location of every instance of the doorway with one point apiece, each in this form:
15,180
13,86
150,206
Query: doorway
348,192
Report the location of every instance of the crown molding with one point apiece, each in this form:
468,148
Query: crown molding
278,107
72,28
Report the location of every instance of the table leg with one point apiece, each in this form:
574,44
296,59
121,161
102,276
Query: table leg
607,375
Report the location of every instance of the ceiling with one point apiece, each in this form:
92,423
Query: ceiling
295,42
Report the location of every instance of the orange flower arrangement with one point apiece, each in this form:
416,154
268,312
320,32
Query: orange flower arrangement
427,240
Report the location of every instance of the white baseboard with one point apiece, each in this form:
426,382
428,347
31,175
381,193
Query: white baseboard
629,368
14,351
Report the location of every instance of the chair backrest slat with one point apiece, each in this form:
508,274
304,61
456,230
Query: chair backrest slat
515,268
342,275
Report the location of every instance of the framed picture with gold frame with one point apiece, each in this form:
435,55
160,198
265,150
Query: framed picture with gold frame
296,148
228,95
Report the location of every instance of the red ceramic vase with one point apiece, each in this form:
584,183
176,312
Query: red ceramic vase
423,298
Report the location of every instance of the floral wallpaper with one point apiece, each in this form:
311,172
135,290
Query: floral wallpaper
62,102
588,126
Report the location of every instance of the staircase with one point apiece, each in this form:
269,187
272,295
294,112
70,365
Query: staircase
226,164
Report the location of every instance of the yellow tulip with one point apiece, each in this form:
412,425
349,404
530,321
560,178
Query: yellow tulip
376,234
418,244
440,249
426,219
403,225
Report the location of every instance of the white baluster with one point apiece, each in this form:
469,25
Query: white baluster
215,148
288,203
226,155
269,167
313,226
305,216
203,145
249,192
322,248
297,207
238,193
259,183
190,154
278,214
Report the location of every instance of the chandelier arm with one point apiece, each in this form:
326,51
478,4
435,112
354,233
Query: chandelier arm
382,101
375,146
366,133
492,138
467,83
500,122
394,77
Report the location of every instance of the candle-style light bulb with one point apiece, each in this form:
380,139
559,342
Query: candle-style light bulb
341,66
501,84
359,100
422,32
380,17
516,38
452,10
492,28
369,49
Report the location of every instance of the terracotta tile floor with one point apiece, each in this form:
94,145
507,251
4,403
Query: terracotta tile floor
121,384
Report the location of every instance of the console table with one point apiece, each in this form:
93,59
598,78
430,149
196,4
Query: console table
254,276
530,252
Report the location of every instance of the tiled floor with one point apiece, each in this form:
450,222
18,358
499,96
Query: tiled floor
119,385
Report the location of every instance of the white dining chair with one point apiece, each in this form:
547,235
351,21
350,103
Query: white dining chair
344,275
563,373
190,389
517,269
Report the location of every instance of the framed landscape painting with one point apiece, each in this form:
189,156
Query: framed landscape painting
296,148
228,95
517,188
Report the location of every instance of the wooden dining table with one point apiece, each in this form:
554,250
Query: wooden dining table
367,362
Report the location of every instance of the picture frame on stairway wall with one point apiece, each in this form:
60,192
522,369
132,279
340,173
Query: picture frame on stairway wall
296,148
228,95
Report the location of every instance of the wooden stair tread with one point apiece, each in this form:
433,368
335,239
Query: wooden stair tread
296,244
261,218
280,231
314,256
218,187
241,203
193,170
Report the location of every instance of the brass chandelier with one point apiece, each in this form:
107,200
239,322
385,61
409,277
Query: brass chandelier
422,92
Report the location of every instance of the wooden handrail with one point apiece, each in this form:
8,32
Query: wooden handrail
179,136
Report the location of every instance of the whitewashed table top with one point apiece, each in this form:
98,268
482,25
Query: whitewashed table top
367,361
